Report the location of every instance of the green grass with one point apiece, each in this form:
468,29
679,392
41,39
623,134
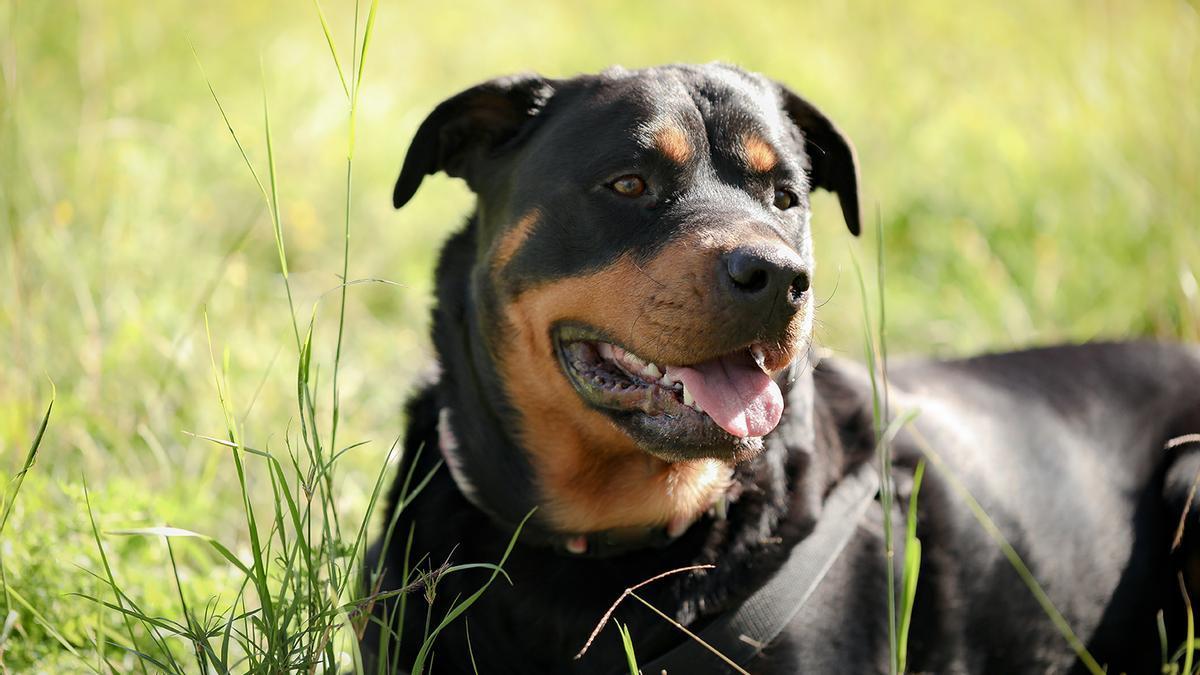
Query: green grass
1034,166
911,569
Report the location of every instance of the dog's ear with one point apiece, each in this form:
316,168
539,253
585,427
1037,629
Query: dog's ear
467,128
832,164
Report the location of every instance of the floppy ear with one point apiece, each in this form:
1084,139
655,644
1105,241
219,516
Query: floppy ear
468,127
832,165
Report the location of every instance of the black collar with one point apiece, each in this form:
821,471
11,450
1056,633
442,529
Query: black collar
742,633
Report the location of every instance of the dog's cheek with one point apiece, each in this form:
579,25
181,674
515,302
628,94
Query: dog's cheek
591,475
575,451
554,420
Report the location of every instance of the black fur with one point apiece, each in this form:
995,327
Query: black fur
1063,447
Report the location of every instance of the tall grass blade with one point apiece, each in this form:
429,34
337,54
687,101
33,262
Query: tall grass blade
259,572
359,68
229,125
1190,644
423,654
30,459
877,365
176,532
1162,640
366,42
193,627
8,502
273,203
332,47
912,569
627,645
108,574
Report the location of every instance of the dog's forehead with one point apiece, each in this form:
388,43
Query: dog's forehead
711,100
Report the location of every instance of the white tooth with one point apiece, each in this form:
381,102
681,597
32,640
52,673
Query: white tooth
633,360
605,350
669,377
652,371
759,357
687,397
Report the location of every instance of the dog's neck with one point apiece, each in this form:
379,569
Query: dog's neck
494,471
471,393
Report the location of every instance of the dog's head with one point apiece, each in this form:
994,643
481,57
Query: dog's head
643,258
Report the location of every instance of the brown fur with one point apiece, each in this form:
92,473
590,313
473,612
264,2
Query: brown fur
507,245
673,142
760,156
592,474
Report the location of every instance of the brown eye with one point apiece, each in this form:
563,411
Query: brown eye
785,199
629,186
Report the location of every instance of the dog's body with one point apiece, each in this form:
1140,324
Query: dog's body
664,213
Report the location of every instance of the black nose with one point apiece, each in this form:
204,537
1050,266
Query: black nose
765,278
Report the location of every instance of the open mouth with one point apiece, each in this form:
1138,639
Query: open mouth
717,407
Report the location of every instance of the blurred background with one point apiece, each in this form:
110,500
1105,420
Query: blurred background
1032,168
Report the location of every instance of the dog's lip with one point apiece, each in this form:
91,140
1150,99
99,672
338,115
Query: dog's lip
609,377
634,390
771,359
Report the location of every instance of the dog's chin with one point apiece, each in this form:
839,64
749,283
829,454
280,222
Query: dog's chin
680,438
646,402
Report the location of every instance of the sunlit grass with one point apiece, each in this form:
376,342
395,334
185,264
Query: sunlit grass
302,604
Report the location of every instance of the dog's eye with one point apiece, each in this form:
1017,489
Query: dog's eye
785,199
629,186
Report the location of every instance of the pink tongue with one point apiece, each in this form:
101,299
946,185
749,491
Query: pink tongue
736,393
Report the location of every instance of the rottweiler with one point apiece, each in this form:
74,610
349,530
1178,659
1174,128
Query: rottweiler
624,331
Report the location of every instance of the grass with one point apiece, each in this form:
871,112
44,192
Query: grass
911,568
627,644
300,597
1033,166
8,500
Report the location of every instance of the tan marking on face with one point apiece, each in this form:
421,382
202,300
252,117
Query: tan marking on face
673,142
507,244
591,473
760,156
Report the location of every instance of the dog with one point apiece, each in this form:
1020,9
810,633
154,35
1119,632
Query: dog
624,331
